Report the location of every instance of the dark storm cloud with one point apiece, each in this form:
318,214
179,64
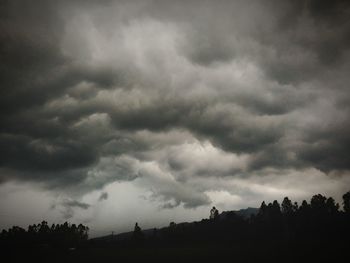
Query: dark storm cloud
321,29
327,148
30,52
39,154
69,207
93,92
34,71
74,203
103,196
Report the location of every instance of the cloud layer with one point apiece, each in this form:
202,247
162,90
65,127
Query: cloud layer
173,95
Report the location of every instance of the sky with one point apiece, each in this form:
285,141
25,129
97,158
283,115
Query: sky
116,112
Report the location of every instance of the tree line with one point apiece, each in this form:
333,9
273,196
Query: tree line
314,230
56,235
317,230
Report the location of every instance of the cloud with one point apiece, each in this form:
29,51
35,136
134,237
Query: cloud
166,93
103,196
69,206
74,203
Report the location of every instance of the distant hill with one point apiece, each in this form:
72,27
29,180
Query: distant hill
244,213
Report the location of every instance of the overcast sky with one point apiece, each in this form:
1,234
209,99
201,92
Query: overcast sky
114,112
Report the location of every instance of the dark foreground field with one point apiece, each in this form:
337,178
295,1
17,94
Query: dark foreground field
199,253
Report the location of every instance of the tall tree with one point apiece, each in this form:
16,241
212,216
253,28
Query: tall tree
346,202
332,207
287,206
318,203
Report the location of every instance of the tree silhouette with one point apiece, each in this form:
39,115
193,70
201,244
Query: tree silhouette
137,234
64,235
263,210
216,214
287,206
318,203
316,232
346,202
331,206
295,206
305,207
275,209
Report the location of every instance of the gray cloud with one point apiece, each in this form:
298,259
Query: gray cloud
103,196
94,93
69,207
74,203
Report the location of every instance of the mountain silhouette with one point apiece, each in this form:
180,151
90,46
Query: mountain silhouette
244,213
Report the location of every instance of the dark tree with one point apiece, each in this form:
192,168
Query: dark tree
346,202
295,207
216,214
137,234
287,206
304,206
331,206
263,209
276,209
64,235
318,203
